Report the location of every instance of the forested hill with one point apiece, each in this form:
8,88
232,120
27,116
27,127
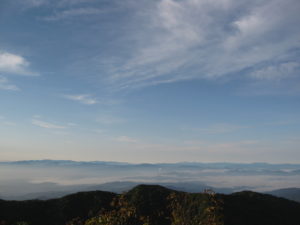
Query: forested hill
152,205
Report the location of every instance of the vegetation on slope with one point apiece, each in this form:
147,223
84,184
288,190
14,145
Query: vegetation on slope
56,211
153,205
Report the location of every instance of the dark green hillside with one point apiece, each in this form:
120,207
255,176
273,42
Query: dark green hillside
153,205
150,201
251,208
56,211
157,205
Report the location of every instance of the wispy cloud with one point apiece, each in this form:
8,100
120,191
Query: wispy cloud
283,122
98,131
5,85
126,139
28,4
15,64
277,72
283,85
60,132
6,122
200,39
47,125
220,150
216,128
72,124
82,98
73,13
109,119
73,2
236,146
221,128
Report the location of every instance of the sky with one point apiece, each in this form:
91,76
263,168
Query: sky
150,80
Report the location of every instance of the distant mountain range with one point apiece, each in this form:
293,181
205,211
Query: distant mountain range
45,179
216,165
288,193
153,205
119,187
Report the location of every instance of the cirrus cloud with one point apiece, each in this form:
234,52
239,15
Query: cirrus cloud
126,139
202,39
278,72
82,98
47,125
6,85
73,13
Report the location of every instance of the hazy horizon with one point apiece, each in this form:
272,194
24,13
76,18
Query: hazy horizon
137,163
53,178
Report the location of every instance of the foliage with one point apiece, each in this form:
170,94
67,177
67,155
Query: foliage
21,223
195,209
153,205
56,211
251,208
122,214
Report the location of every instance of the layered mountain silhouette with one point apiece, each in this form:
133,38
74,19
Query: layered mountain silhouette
288,193
152,205
46,179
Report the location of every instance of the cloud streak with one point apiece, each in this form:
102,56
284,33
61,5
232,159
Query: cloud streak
5,122
201,39
82,98
220,128
47,125
126,139
29,4
108,119
73,2
277,72
73,13
5,85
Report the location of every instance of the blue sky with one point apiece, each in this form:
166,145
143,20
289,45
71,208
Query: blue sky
150,81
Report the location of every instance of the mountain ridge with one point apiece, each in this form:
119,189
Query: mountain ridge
155,203
53,161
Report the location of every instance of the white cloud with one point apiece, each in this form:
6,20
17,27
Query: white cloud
98,131
72,124
108,119
5,85
29,4
277,72
5,122
71,13
193,39
47,125
73,2
15,64
60,133
83,98
8,123
126,139
36,3
236,146
219,128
